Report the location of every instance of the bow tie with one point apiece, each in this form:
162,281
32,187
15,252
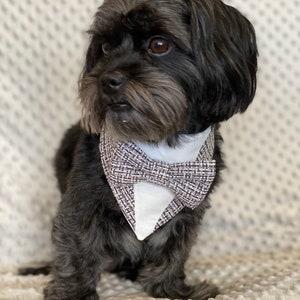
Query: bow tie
151,192
189,181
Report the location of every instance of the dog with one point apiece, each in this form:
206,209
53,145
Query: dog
159,75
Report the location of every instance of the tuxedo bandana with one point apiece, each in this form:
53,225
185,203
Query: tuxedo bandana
153,183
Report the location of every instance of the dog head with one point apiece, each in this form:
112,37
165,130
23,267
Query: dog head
156,68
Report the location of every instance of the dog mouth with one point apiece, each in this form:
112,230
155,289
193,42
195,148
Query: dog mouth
121,106
118,111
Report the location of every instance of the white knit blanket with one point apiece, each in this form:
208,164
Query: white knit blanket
255,211
261,276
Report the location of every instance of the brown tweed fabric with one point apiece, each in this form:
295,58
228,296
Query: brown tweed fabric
125,164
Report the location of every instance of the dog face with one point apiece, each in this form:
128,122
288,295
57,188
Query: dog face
155,68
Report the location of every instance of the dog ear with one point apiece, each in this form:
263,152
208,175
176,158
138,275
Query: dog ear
225,51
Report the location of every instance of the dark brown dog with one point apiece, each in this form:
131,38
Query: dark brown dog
155,70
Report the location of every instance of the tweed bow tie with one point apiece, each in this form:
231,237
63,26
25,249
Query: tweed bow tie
151,192
189,181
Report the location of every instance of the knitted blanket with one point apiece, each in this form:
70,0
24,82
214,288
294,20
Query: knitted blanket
261,276
249,244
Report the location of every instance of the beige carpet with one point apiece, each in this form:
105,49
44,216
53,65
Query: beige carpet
260,276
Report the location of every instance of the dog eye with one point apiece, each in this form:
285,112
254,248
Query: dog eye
106,48
159,46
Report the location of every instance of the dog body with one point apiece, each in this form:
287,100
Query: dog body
155,71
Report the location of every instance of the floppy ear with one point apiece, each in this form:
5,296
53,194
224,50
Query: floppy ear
225,51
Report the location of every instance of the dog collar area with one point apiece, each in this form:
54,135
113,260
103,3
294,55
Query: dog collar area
149,204
187,150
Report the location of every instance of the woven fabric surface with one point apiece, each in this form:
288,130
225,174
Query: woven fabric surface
254,212
251,277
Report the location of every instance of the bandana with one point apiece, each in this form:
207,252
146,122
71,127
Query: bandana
152,183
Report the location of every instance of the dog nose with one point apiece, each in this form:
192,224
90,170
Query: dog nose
112,82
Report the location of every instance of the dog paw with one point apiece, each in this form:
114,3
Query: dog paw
59,297
58,291
202,291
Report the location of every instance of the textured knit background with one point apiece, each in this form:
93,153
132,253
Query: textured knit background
250,240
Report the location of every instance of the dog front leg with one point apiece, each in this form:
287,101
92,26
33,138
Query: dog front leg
77,267
162,274
167,281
